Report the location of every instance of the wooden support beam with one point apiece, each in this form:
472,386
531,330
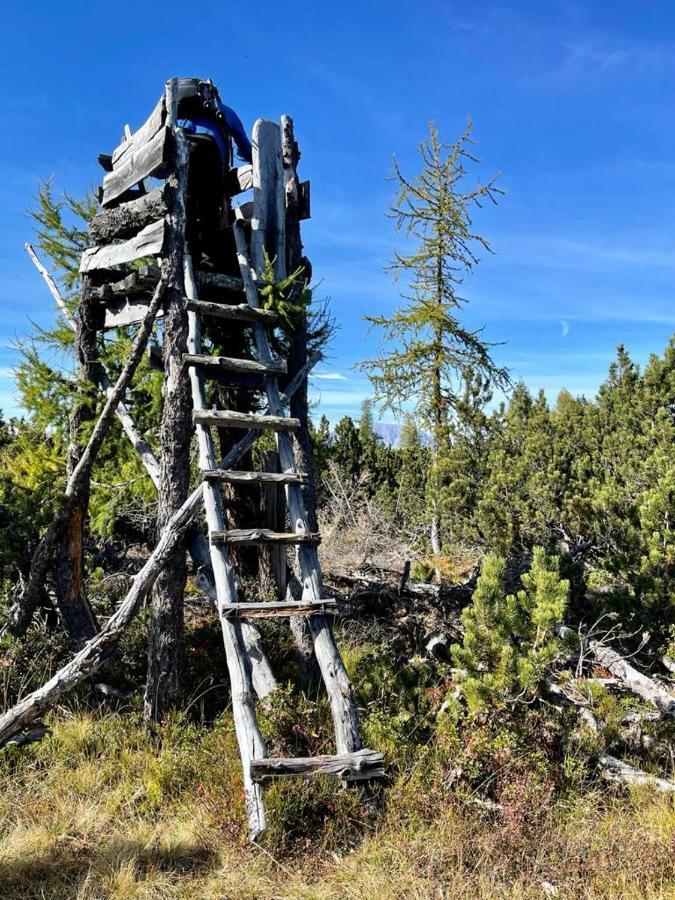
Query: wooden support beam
139,162
359,766
127,218
242,312
273,610
148,242
218,283
232,364
263,536
229,476
229,418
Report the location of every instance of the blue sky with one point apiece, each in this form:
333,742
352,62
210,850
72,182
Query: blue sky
572,101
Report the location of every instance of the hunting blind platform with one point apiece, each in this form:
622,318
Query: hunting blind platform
168,237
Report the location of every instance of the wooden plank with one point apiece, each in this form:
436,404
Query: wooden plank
242,312
148,242
229,418
268,225
304,201
144,134
229,476
232,364
359,766
139,163
217,281
263,536
126,311
127,218
239,180
274,610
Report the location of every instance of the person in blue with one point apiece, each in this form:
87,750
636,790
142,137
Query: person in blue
192,92
211,128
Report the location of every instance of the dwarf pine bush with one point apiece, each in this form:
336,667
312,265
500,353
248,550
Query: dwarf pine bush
509,641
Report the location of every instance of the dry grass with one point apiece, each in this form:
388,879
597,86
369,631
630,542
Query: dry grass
103,810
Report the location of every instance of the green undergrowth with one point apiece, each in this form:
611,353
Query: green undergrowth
104,808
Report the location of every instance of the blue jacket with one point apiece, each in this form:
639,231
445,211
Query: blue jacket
235,127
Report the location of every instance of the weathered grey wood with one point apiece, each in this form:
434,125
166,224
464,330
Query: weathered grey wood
336,679
217,281
129,426
239,313
262,536
249,738
645,687
304,201
145,133
233,364
148,242
126,311
268,219
23,611
127,218
279,610
228,418
140,281
239,180
240,477
616,770
91,656
163,687
141,161
359,766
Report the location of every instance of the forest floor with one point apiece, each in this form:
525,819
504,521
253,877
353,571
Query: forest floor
102,809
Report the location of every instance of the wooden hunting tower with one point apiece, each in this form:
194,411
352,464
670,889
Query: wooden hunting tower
170,240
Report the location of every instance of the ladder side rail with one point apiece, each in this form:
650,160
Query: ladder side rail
337,681
251,744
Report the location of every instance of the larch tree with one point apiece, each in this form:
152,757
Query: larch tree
428,352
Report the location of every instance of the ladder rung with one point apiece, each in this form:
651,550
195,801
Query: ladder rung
359,766
263,536
233,476
229,418
240,312
231,364
278,610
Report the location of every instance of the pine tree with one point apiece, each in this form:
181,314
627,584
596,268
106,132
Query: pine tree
429,351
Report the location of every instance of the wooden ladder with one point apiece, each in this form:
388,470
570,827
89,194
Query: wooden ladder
138,225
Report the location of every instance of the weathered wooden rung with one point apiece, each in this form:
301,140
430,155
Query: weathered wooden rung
359,766
239,180
229,418
234,476
148,242
141,281
140,161
232,364
127,218
279,610
242,312
218,283
263,536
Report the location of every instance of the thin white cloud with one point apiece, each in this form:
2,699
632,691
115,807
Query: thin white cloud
565,326
330,376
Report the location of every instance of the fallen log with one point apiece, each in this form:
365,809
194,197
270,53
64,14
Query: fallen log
616,770
645,687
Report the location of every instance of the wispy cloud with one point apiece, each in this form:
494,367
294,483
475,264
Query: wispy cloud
565,327
330,376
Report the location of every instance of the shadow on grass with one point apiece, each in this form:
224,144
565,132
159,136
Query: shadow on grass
71,866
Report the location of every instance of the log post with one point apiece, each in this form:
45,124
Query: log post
166,610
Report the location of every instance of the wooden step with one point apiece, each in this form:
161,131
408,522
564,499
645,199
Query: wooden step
240,312
234,476
279,610
148,242
144,279
359,766
229,418
263,536
232,364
